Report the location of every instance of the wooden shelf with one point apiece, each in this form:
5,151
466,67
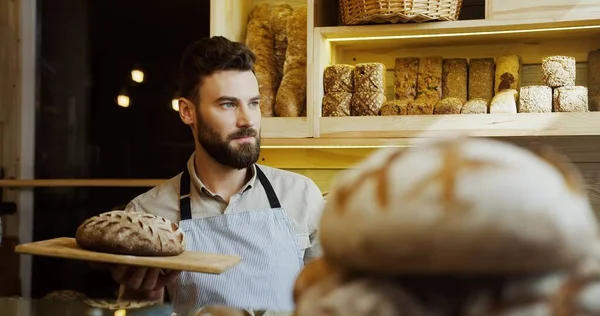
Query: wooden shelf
489,125
449,33
286,127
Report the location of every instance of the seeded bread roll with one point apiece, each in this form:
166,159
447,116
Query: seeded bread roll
481,78
508,70
259,39
449,106
369,77
405,77
454,78
395,107
366,103
504,102
570,99
131,233
475,106
535,99
338,78
336,104
558,71
291,96
424,104
594,80
278,22
459,206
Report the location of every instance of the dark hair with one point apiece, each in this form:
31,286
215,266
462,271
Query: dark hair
207,56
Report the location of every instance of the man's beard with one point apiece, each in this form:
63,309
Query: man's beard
221,151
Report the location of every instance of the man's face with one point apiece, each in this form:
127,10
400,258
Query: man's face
228,118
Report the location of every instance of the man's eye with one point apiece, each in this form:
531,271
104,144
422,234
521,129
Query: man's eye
228,105
255,103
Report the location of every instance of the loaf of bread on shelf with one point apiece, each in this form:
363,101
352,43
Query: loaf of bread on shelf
508,71
369,77
535,99
429,80
131,233
458,206
450,105
454,78
570,99
259,38
117,304
475,106
278,22
406,70
558,71
336,104
395,107
504,102
424,104
482,72
366,103
338,78
594,80
291,96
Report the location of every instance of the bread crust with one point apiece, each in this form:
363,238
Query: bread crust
465,206
291,96
131,233
259,39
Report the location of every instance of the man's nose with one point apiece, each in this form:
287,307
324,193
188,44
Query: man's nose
244,117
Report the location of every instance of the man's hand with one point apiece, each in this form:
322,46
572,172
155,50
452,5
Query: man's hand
138,283
142,279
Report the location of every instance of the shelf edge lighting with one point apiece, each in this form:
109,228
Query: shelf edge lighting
475,33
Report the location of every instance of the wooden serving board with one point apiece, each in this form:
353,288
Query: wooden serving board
192,261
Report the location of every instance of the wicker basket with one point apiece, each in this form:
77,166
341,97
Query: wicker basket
355,12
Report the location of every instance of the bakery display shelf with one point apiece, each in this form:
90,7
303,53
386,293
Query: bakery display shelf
480,125
286,127
229,18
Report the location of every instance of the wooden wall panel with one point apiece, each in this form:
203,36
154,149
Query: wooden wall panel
9,100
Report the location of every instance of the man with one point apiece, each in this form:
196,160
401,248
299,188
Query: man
223,200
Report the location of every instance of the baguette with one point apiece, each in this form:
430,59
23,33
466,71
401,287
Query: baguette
291,96
259,39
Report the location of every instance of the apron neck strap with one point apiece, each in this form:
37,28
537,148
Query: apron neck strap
185,206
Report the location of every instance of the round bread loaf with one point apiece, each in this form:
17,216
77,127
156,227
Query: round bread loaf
131,233
459,206
312,273
118,304
359,297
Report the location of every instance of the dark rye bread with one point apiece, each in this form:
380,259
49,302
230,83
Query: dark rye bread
131,233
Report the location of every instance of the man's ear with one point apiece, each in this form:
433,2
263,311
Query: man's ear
186,111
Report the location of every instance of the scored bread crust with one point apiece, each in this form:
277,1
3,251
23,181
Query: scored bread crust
465,206
131,233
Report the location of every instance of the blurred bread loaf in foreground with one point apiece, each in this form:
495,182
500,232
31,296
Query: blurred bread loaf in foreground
462,206
131,233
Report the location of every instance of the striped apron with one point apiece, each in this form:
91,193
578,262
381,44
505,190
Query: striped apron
264,239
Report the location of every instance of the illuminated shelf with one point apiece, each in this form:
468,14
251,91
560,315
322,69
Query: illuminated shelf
457,32
480,125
